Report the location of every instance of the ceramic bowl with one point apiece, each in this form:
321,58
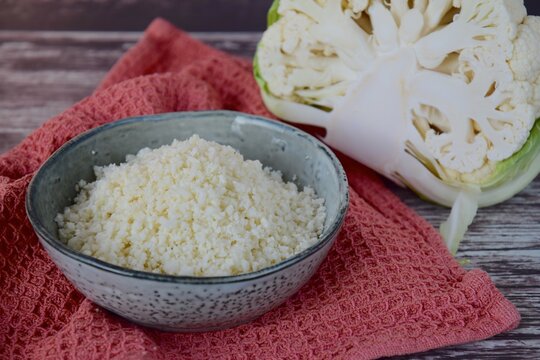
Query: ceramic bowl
183,303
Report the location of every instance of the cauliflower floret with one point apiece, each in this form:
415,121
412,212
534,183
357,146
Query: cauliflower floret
437,95
357,6
468,70
470,155
525,62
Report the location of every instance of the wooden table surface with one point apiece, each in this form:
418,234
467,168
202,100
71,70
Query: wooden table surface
43,73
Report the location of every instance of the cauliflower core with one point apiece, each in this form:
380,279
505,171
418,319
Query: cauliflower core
191,208
455,83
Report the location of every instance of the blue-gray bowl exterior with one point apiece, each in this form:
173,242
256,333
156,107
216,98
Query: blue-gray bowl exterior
185,303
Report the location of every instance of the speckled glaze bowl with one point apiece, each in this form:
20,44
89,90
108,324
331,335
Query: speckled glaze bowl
181,303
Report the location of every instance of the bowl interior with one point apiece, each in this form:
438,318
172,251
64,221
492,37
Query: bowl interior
298,156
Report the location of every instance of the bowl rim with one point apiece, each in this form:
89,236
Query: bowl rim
328,235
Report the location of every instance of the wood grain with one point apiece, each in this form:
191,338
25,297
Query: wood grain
94,15
43,73
192,15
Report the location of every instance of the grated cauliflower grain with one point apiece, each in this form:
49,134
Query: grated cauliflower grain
194,208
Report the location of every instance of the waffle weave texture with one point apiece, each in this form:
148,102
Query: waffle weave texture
388,286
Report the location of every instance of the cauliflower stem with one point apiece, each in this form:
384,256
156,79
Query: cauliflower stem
441,96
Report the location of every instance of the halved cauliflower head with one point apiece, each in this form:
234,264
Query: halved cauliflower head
438,95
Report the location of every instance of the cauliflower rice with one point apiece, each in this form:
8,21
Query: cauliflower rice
191,208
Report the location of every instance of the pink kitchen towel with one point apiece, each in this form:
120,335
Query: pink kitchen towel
388,286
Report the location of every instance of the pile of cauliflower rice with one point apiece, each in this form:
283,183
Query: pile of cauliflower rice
193,208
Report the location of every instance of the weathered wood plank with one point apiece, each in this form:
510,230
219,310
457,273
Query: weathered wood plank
45,73
41,74
193,15
11,137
